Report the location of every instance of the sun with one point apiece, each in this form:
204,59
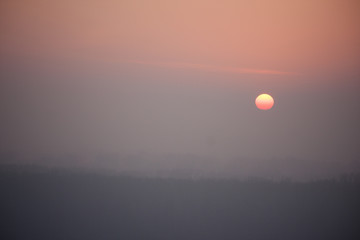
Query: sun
264,101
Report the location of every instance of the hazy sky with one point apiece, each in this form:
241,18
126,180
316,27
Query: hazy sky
170,81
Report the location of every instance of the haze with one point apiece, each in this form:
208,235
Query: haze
168,87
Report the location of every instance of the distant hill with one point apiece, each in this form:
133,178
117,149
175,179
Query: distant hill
39,203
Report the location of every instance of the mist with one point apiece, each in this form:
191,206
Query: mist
127,117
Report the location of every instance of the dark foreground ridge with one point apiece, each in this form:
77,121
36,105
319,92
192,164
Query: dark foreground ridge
73,205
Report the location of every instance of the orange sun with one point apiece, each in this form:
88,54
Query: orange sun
264,102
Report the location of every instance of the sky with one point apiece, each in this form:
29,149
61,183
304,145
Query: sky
169,87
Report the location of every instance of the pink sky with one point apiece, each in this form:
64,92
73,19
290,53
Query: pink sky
153,77
280,35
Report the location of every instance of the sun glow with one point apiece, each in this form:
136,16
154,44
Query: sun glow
264,102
